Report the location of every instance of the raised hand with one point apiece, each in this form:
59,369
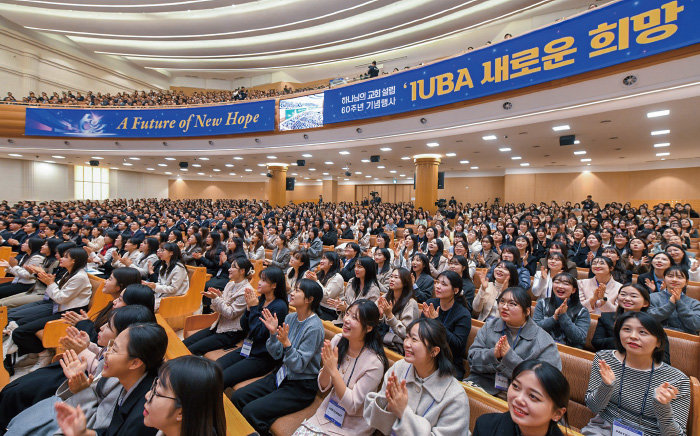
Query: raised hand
46,278
482,277
498,348
650,284
665,393
600,291
543,273
396,396
329,356
212,293
149,284
676,293
71,420
429,311
606,373
310,275
385,307
561,310
75,340
72,364
73,318
251,298
270,321
283,335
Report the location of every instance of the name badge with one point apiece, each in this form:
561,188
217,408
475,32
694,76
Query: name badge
247,346
335,413
501,382
281,375
620,429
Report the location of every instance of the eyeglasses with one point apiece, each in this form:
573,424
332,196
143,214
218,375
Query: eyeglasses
511,304
109,349
154,393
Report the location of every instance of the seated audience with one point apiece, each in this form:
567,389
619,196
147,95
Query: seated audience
398,309
562,315
423,282
599,293
672,307
505,275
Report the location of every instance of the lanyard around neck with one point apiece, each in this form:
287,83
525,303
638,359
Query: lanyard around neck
646,392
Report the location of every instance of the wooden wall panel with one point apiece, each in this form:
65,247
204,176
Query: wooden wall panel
180,189
473,189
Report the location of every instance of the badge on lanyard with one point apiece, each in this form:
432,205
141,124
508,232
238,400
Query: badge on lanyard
501,383
335,413
620,429
281,375
247,346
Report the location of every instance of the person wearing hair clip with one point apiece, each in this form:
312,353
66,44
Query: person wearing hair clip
353,366
632,372
537,401
230,304
420,395
173,279
561,314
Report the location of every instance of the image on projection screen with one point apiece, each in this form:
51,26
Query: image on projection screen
304,112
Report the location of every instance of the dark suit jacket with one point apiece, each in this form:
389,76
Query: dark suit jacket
127,419
501,424
348,271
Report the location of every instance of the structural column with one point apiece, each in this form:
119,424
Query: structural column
277,184
426,180
330,190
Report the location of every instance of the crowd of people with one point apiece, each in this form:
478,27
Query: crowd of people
396,278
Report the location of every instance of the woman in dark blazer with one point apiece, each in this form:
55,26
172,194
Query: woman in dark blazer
280,255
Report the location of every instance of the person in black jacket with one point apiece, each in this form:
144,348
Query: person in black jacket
423,282
352,253
537,400
330,235
373,71
450,308
134,358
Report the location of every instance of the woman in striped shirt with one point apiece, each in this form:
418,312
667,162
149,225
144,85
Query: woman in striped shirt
635,371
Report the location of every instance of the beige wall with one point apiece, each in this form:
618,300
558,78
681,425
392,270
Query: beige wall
633,186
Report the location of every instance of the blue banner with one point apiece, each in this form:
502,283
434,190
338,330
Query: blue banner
604,36
227,119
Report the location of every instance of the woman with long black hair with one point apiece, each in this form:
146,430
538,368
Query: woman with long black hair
398,309
331,281
363,285
24,278
561,314
173,279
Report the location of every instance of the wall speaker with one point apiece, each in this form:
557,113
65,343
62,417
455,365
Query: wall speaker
374,158
301,162
567,140
94,163
441,180
290,184
184,165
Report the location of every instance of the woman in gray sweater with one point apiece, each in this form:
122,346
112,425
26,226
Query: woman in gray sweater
291,387
502,343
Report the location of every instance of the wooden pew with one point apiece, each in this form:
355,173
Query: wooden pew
685,352
4,375
5,254
176,308
54,330
236,425
693,290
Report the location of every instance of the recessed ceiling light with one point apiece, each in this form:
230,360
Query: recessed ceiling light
58,157
586,160
489,137
516,157
525,164
588,164
504,149
263,174
660,132
262,165
385,149
432,144
580,152
358,172
238,158
295,174
312,169
49,161
248,170
127,164
216,170
135,158
169,158
560,128
365,160
203,158
196,165
450,154
306,178
150,169
662,144
369,177
464,162
162,165
15,155
404,158
665,153
661,113
168,173
393,171
577,142
346,179
272,157
474,168
325,174
229,165
402,175
328,162
112,168
96,157
231,174
344,152
307,155
184,169
381,167
201,174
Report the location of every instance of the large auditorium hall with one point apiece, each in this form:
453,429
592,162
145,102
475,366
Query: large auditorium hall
349,218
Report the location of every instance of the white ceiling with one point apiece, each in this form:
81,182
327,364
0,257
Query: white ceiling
307,39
